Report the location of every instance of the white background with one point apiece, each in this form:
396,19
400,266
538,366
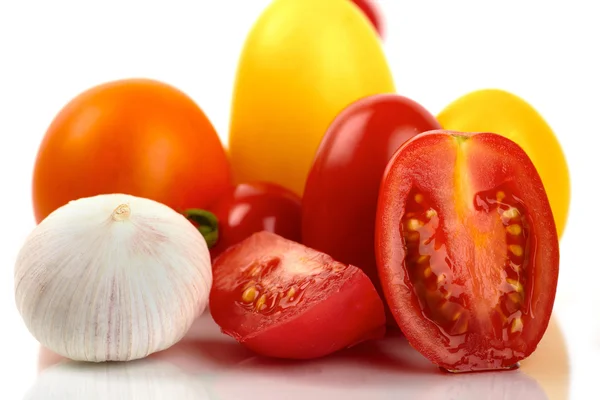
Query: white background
546,52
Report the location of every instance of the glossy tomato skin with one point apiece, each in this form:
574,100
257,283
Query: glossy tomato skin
134,136
340,198
467,249
504,113
252,207
284,300
372,12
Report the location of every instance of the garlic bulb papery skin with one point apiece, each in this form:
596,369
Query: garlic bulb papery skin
112,278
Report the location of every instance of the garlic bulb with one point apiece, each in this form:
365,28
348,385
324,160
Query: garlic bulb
112,278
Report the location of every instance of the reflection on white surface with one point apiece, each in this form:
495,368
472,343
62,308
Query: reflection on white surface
371,372
209,365
143,380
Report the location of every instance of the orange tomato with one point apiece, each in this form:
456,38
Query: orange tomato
134,136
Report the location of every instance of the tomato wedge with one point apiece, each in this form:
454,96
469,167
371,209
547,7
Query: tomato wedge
467,249
282,299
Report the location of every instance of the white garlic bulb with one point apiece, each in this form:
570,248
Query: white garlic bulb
112,278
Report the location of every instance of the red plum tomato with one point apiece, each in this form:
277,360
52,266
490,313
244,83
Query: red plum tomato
467,249
340,198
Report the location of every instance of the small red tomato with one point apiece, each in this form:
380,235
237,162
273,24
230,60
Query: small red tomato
371,11
340,198
282,299
467,249
253,207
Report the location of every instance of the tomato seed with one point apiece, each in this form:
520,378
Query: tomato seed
514,229
516,285
414,224
441,278
427,272
510,213
516,250
423,259
249,294
260,303
290,293
516,325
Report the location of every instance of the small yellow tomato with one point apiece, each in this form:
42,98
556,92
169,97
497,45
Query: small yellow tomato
501,112
302,63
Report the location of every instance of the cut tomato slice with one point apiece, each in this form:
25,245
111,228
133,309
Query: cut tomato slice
282,299
467,249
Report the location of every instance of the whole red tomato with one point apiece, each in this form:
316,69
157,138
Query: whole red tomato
340,198
134,136
371,11
249,208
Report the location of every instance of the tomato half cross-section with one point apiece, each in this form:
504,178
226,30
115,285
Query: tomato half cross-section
282,299
467,249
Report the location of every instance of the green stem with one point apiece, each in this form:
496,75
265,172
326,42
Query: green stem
208,225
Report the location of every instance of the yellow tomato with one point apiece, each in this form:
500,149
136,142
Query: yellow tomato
302,63
500,112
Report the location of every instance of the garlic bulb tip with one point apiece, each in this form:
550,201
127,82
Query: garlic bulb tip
122,212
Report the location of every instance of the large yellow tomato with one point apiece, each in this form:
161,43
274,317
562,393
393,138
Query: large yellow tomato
497,111
302,63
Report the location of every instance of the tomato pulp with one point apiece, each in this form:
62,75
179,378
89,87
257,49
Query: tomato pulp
467,249
282,299
340,197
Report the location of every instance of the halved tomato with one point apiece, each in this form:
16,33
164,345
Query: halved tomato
282,299
467,249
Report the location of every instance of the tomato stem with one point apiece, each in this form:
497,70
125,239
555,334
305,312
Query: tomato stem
208,225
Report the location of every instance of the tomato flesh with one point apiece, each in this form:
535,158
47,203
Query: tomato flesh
467,249
282,299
